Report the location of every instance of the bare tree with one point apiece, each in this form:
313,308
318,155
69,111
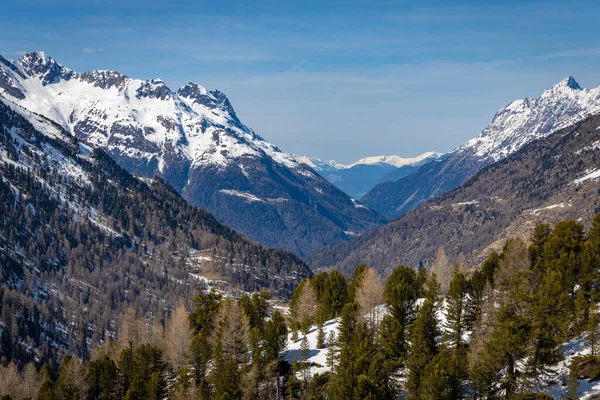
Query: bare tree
369,296
306,307
31,383
230,331
443,269
129,330
11,383
515,260
178,337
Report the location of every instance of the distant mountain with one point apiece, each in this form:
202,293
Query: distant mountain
358,178
555,177
193,139
517,124
81,239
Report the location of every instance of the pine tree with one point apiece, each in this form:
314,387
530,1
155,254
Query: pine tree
320,337
178,338
400,294
423,347
335,295
227,381
456,306
550,316
573,383
332,345
275,344
303,306
593,328
304,356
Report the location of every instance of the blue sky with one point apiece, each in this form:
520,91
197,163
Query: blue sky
340,80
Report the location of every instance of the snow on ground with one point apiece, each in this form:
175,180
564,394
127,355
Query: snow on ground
317,357
590,174
357,204
248,196
537,211
572,349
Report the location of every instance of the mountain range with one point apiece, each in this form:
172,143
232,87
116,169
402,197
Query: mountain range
538,162
358,178
513,126
193,139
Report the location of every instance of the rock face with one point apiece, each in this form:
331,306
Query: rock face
193,139
553,178
517,124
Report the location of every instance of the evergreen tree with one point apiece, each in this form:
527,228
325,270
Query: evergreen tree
423,347
227,381
550,310
400,294
335,295
320,337
593,329
102,376
332,345
456,305
573,383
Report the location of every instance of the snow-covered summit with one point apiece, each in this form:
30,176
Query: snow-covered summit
110,109
192,138
524,120
393,161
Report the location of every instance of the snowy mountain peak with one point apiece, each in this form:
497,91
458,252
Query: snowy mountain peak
522,121
45,67
569,82
393,161
192,90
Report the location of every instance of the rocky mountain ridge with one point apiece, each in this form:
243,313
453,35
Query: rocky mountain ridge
515,125
193,139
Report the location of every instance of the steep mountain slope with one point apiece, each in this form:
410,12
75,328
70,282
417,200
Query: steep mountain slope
549,179
81,239
520,122
358,178
194,140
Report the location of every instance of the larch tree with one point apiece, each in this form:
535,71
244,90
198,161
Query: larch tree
178,337
303,306
443,269
369,295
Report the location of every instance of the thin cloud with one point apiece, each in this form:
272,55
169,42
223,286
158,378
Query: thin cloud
20,52
570,53
296,66
91,51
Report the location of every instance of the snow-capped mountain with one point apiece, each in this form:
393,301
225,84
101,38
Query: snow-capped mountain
550,179
359,177
81,239
192,138
515,125
524,120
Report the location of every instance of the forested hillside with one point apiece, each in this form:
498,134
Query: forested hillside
81,240
549,179
523,326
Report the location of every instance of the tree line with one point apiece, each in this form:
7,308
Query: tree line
494,333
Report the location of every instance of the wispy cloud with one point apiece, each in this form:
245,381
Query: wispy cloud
296,66
20,52
88,50
595,51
